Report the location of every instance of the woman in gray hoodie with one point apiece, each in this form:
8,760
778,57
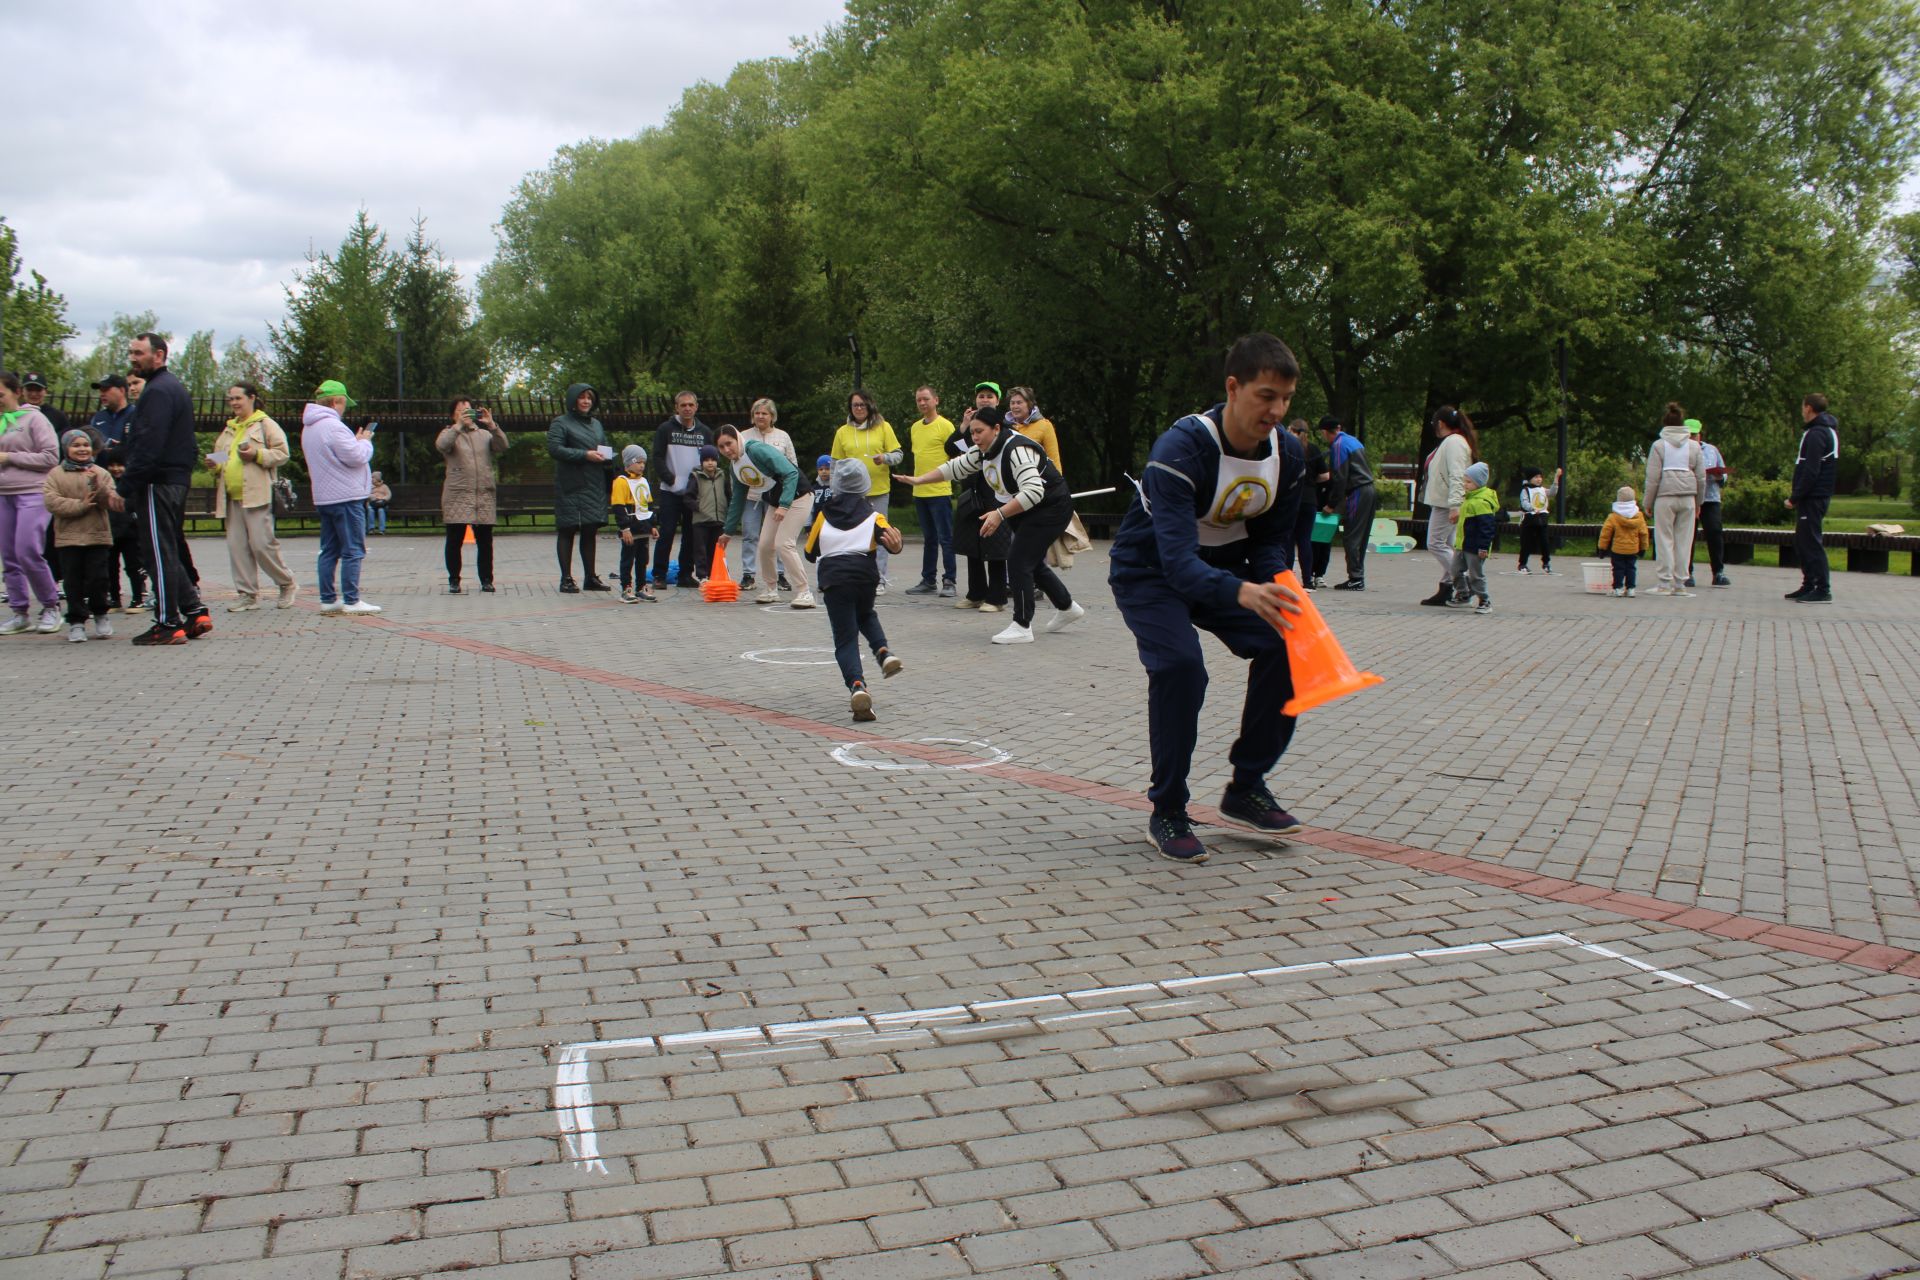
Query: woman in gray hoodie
1676,482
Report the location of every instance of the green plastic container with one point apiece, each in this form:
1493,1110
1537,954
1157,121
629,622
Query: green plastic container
1325,527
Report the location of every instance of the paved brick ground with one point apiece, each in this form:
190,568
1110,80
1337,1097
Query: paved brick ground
287,975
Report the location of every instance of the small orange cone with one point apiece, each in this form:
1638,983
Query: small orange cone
1321,669
719,586
468,540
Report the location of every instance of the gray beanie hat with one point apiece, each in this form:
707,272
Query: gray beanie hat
1478,473
631,454
850,475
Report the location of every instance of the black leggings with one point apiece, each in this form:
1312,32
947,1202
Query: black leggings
482,545
1535,539
1027,564
563,545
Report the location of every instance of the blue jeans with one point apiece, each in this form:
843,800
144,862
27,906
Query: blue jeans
936,530
377,517
753,517
343,542
850,613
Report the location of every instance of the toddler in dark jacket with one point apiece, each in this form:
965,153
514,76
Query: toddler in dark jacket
846,529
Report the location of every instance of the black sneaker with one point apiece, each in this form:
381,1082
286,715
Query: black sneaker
453,588
568,587
1255,809
160,634
781,582
1802,593
595,584
1351,584
1173,839
1816,597
487,587
1441,599
1689,582
747,582
1721,580
922,589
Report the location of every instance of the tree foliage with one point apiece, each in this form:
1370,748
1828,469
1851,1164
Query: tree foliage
34,315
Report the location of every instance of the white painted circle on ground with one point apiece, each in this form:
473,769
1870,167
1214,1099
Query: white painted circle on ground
781,608
769,656
853,756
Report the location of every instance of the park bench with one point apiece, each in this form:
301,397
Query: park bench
1860,552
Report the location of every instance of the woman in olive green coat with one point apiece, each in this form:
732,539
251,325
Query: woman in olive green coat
582,477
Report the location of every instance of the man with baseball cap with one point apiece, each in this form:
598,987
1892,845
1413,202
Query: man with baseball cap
338,460
1711,526
110,423
33,390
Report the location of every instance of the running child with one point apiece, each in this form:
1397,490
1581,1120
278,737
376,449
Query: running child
846,530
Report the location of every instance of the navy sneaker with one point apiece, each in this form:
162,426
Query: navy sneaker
1255,809
1173,839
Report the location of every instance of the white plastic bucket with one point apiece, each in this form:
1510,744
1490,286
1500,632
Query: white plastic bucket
1598,577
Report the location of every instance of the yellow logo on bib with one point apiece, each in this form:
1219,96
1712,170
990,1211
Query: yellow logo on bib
1244,499
750,476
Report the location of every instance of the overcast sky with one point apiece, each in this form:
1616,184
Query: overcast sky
183,157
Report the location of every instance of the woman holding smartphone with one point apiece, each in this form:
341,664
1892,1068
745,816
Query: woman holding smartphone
469,443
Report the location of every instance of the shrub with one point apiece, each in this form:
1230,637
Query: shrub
1593,479
1755,502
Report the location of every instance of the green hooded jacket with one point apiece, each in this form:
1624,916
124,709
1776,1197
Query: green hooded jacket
580,485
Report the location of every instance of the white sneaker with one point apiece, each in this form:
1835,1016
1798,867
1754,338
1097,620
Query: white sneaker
767,597
1524,570
802,601
50,620
1064,618
891,667
1015,634
16,626
1616,592
880,590
360,608
245,604
77,633
332,607
1629,593
103,628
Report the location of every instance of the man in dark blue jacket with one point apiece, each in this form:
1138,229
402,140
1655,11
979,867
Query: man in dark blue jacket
160,455
1351,496
115,411
1199,547
1813,476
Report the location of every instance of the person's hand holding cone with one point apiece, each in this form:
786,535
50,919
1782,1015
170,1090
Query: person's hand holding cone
1322,671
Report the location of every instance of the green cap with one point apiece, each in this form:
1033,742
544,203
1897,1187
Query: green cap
334,387
1693,426
987,386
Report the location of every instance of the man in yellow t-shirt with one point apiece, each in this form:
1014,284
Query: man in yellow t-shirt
932,503
868,436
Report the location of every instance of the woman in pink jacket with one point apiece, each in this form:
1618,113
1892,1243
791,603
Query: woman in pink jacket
28,450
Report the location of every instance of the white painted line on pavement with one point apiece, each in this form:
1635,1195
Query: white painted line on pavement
848,753
573,1087
760,655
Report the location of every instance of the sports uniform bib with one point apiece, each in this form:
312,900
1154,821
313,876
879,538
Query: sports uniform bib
856,541
756,481
1245,489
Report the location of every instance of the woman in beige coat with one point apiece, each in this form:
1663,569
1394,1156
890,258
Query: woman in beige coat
469,443
244,461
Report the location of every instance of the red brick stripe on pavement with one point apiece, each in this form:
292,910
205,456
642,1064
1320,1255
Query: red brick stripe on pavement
1807,942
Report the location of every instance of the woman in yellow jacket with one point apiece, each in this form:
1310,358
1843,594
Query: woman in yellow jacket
244,460
868,436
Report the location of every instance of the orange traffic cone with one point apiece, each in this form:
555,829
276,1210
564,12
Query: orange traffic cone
719,585
468,540
1321,669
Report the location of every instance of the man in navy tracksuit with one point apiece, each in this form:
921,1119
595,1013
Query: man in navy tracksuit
1813,476
1199,547
161,453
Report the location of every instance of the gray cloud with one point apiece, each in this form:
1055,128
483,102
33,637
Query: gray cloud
216,142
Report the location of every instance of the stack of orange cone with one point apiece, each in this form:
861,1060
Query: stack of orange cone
719,585
1321,669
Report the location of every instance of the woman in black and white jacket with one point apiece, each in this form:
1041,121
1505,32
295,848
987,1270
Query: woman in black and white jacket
1032,500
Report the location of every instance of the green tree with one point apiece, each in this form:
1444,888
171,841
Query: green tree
445,354
339,318
33,316
197,366
109,353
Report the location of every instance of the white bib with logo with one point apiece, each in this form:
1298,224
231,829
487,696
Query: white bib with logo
756,480
856,541
1245,489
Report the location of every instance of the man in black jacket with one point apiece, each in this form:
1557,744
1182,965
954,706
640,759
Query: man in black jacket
161,453
1813,477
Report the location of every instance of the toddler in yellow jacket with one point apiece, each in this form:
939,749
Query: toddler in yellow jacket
1623,537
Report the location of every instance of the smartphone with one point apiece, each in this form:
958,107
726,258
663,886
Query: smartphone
372,427
473,415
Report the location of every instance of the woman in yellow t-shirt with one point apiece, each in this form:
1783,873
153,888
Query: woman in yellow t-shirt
868,436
